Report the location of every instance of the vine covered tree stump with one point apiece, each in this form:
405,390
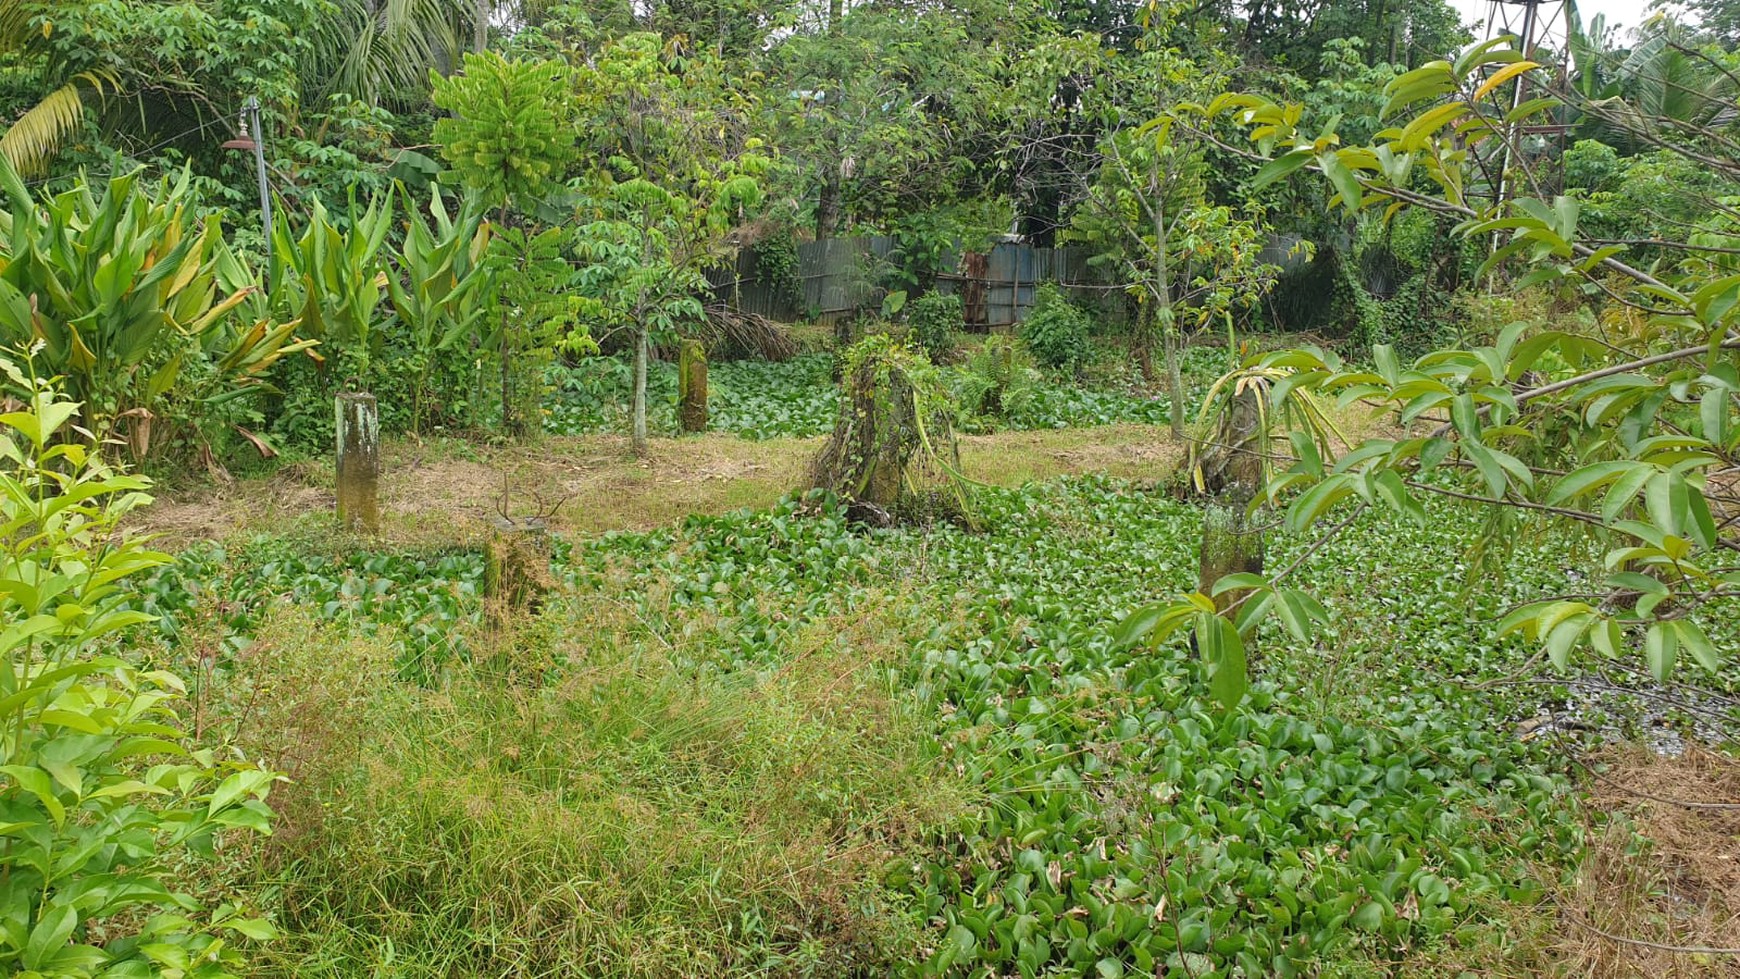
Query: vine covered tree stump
892,457
516,568
359,462
692,386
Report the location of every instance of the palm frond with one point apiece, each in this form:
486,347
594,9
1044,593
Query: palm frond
383,49
15,29
31,141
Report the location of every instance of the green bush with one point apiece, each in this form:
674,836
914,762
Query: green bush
102,804
133,300
936,322
1056,331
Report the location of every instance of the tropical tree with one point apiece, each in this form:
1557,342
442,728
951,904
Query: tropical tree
1187,262
891,112
1666,89
383,52
38,131
679,168
1627,427
509,140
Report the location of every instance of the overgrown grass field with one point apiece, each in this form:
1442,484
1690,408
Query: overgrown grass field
770,743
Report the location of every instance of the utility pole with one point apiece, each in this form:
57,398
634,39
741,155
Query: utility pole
251,117
1542,29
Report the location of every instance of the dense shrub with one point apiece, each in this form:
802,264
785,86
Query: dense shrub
1056,331
936,321
105,810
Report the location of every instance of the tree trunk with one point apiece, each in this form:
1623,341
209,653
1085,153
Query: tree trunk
1163,315
1144,341
641,352
480,25
506,354
507,384
1174,381
828,207
516,569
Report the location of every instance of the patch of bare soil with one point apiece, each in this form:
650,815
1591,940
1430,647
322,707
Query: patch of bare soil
595,483
177,519
1127,451
442,491
1658,894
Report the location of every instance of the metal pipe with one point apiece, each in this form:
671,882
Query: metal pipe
251,108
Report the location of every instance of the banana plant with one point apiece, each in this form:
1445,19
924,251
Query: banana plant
120,290
438,283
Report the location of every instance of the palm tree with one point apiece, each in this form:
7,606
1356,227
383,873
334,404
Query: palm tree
32,138
383,50
1664,90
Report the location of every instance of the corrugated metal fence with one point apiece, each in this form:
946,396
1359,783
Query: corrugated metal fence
839,276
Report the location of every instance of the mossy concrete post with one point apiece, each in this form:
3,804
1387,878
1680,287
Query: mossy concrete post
1231,541
692,386
359,462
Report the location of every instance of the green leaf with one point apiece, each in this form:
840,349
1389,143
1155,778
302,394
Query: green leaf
1279,167
1369,916
1432,889
1487,462
1624,490
1384,356
1713,415
1660,644
258,929
1345,183
1579,481
1224,652
1691,636
1607,638
1298,611
50,935
1563,637
1237,580
37,783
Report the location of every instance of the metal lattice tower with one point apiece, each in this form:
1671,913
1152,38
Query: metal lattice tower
1542,29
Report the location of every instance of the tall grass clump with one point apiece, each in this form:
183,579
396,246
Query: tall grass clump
596,802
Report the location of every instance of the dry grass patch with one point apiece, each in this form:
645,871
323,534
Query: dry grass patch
447,491
613,803
1656,894
1664,875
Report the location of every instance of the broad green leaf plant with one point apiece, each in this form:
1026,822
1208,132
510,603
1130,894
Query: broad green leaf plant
439,284
331,280
121,291
101,802
1630,433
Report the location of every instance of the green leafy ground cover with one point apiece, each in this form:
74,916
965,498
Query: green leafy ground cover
417,601
798,399
1366,801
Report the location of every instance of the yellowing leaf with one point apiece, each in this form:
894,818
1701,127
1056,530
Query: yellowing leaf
1501,76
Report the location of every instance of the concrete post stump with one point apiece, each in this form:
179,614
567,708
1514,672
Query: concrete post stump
359,462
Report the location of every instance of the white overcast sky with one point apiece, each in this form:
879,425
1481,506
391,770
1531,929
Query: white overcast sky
1625,13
